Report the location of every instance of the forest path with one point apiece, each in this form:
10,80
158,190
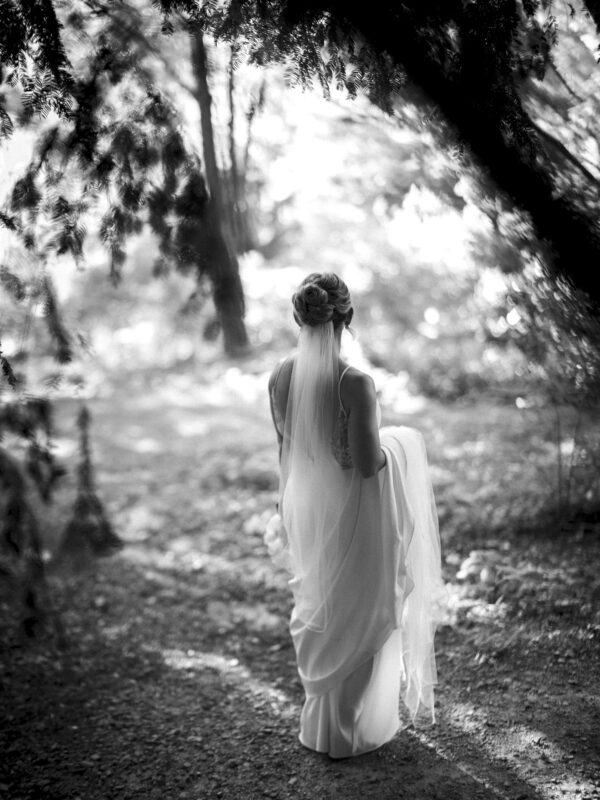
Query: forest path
179,680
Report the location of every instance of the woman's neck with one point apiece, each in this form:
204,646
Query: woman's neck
337,332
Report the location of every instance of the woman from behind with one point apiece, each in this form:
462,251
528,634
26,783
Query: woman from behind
358,535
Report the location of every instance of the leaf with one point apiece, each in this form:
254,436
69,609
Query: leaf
25,194
7,371
12,283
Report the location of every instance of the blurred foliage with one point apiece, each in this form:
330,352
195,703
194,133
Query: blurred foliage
472,66
32,55
122,159
560,344
88,532
484,73
118,152
25,484
114,163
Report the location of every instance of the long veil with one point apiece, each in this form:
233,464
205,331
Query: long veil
313,488
363,553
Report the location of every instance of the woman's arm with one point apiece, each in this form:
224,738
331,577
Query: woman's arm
272,382
363,433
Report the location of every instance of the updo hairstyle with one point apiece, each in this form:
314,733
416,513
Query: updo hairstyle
320,298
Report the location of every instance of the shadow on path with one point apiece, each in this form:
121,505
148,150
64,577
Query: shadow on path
155,699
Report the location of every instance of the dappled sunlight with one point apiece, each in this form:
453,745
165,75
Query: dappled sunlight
136,523
235,674
170,559
464,605
471,769
144,343
116,632
474,447
145,444
525,748
154,560
165,584
207,389
192,426
255,615
245,386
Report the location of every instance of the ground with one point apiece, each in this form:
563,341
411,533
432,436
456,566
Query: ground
178,676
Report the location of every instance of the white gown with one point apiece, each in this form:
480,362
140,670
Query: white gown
377,646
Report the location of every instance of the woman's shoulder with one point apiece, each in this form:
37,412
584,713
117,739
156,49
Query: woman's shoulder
356,379
357,387
281,366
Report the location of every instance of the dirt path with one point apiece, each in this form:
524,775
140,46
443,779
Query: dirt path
180,682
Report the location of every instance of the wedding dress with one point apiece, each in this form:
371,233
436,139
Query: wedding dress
364,559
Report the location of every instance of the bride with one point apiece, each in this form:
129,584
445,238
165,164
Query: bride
358,533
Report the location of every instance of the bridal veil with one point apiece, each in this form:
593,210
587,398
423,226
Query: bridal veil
363,554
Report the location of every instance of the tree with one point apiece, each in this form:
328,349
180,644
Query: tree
110,145
227,286
470,62
122,139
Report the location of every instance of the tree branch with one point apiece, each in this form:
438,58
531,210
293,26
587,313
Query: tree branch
568,155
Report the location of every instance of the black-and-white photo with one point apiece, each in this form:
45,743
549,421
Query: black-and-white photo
299,400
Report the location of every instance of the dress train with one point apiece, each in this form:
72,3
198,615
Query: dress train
378,646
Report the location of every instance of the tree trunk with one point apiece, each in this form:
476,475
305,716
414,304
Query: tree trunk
238,207
228,293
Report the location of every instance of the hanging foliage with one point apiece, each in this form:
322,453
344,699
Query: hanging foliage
88,533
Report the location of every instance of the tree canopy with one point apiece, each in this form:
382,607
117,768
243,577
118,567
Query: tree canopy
477,67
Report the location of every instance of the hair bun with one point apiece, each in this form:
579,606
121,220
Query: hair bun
314,295
322,298
311,305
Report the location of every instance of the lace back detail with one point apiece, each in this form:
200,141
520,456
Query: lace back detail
339,443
